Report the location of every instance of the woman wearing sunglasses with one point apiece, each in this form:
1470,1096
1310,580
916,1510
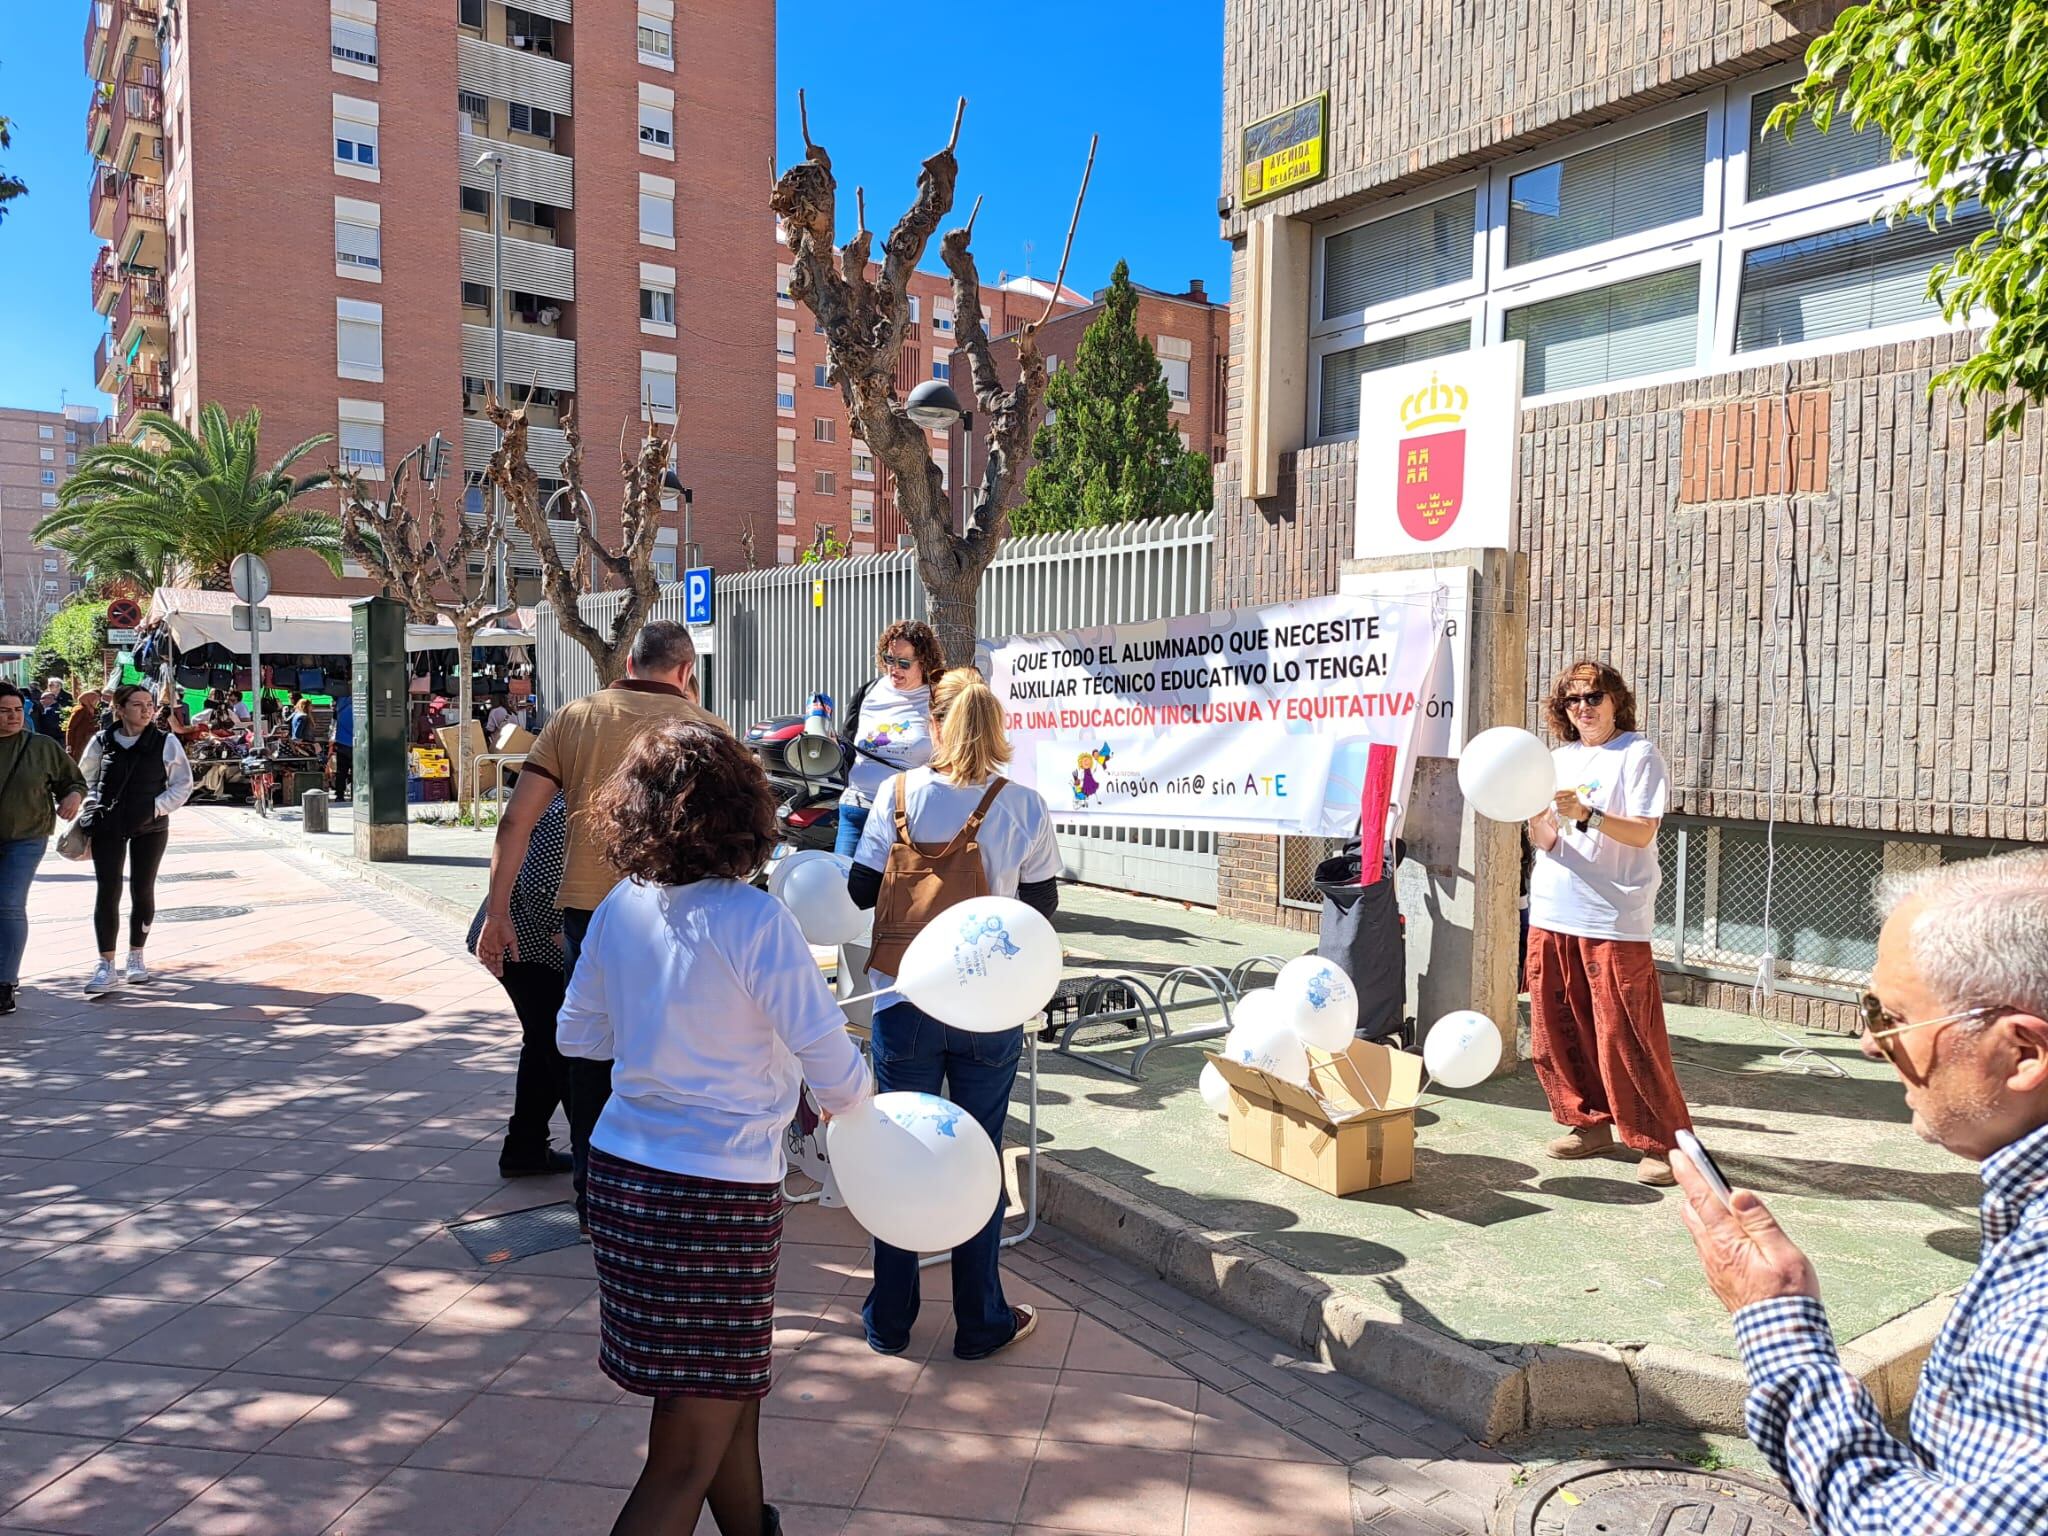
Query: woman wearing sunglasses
1596,1011
888,722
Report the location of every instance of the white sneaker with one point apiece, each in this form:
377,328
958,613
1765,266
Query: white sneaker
104,979
137,971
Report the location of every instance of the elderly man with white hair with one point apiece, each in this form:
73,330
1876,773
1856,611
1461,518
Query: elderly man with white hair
1959,1006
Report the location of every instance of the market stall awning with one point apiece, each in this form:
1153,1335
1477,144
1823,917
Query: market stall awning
300,626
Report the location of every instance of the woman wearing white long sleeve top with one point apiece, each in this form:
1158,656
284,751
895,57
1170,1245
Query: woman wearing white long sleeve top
702,993
136,774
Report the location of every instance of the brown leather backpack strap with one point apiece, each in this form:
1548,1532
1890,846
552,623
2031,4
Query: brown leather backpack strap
973,823
900,793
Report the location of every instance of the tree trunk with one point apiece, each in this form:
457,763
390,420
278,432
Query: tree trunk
953,598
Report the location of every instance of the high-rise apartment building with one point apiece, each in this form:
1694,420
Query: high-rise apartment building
827,482
38,452
329,211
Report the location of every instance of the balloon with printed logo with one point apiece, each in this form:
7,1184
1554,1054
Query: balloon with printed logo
1319,1001
1263,1036
985,965
815,891
1507,774
1461,1049
916,1170
1215,1091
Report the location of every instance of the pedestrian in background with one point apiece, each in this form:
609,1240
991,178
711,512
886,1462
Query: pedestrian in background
700,994
85,719
888,721
138,774
341,749
1958,1005
38,783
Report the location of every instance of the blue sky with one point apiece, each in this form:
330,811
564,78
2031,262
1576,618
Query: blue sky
1039,79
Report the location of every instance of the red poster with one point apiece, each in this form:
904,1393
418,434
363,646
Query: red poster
1432,483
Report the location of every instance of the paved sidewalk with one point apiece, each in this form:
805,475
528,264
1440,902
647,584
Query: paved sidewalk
228,1304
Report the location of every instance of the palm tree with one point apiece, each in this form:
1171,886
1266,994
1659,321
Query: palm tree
170,497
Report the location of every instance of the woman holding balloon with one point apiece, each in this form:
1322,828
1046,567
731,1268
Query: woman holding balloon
702,993
940,835
1597,1012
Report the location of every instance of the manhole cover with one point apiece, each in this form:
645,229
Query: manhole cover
518,1234
198,914
1646,1498
199,874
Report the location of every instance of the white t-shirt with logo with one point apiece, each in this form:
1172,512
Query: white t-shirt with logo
1589,884
1016,837
896,724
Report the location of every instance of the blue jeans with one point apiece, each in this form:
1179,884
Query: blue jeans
18,860
853,820
914,1052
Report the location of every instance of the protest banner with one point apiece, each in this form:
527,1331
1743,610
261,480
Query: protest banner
1251,720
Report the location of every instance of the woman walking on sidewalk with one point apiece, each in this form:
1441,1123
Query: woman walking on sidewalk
702,994
940,835
138,775
38,783
536,982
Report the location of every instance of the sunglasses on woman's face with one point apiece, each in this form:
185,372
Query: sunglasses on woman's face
900,663
1591,700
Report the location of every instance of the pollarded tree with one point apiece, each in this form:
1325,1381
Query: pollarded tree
1109,451
866,321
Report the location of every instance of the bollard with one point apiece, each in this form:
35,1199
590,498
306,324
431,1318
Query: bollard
313,810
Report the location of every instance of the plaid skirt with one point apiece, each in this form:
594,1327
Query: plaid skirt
685,1279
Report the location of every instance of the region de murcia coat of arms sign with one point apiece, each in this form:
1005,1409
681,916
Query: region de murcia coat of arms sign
1436,454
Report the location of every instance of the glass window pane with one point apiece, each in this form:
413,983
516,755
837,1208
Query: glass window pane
1844,280
1645,325
1809,157
1633,184
1338,411
1391,258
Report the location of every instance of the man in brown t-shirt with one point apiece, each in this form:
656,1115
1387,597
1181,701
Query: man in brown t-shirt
575,753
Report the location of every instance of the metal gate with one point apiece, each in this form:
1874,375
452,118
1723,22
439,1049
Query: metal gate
781,635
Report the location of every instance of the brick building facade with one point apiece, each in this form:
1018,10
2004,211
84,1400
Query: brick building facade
334,264
1733,481
38,452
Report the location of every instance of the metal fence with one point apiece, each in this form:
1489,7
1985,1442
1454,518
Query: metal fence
781,635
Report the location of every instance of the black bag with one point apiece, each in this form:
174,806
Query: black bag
1361,931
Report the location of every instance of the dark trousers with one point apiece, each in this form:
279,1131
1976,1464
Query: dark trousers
344,772
590,1082
542,1081
142,853
914,1052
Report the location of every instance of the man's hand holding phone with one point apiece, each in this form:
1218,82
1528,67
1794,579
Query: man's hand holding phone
1746,1254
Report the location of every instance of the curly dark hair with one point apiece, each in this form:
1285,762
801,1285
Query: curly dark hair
1603,677
687,803
919,637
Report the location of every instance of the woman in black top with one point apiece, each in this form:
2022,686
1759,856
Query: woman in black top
536,982
137,775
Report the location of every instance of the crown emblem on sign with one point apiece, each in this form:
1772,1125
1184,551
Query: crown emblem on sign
1437,406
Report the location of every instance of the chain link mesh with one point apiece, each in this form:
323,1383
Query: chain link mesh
1299,857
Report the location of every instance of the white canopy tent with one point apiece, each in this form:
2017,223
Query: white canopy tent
301,626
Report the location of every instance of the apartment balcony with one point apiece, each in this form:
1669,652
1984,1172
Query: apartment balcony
548,271
139,224
135,24
512,74
103,195
106,280
99,122
141,323
546,447
144,389
138,122
106,366
548,362
535,174
99,32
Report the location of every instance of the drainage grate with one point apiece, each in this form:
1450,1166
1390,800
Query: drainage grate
199,874
1645,1498
518,1234
199,914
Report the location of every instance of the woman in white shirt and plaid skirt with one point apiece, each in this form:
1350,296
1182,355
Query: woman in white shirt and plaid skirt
702,993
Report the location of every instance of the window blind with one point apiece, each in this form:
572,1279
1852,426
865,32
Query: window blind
1863,278
1624,330
1338,410
658,389
361,343
1394,257
657,126
354,42
1809,157
1621,188
657,215
358,245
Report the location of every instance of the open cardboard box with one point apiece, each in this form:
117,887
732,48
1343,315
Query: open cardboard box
514,737
449,735
1352,1128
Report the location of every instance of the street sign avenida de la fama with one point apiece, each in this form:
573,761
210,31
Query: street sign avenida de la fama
1286,150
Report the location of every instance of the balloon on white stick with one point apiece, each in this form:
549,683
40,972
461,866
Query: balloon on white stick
985,965
815,892
1215,1091
1264,1037
916,1170
1507,774
1319,1000
1461,1049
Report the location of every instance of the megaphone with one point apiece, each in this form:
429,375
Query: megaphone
818,718
815,757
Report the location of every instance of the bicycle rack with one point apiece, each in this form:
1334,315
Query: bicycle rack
1147,1009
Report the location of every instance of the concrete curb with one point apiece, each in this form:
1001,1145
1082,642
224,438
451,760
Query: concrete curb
1491,1393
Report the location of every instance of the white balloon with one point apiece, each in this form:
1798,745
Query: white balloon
816,892
1215,1091
1264,1037
916,1170
1461,1049
985,965
1507,774
778,872
1320,1002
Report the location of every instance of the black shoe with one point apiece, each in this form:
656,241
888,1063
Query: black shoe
6,999
533,1163
771,1520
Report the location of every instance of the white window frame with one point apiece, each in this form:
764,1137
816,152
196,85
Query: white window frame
358,215
360,413
1702,253
355,113
346,62
663,188
1187,369
659,364
861,452
49,498
359,312
47,433
657,130
656,326
665,25
1471,311
1897,177
1427,298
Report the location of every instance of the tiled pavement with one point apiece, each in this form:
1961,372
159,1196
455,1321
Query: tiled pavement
228,1305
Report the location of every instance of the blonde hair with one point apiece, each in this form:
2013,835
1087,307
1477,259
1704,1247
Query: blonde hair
971,745
949,687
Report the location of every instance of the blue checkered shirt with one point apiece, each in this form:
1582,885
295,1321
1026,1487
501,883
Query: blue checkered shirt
1977,1460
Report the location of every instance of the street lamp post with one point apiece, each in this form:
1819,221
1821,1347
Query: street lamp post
934,406
501,570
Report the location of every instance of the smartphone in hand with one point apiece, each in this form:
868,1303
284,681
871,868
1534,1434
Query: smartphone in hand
1709,1170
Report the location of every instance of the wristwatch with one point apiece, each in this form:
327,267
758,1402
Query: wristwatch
1592,821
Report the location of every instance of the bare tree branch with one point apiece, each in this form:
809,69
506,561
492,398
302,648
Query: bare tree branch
1067,250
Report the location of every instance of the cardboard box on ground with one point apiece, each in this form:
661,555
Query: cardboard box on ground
1351,1128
